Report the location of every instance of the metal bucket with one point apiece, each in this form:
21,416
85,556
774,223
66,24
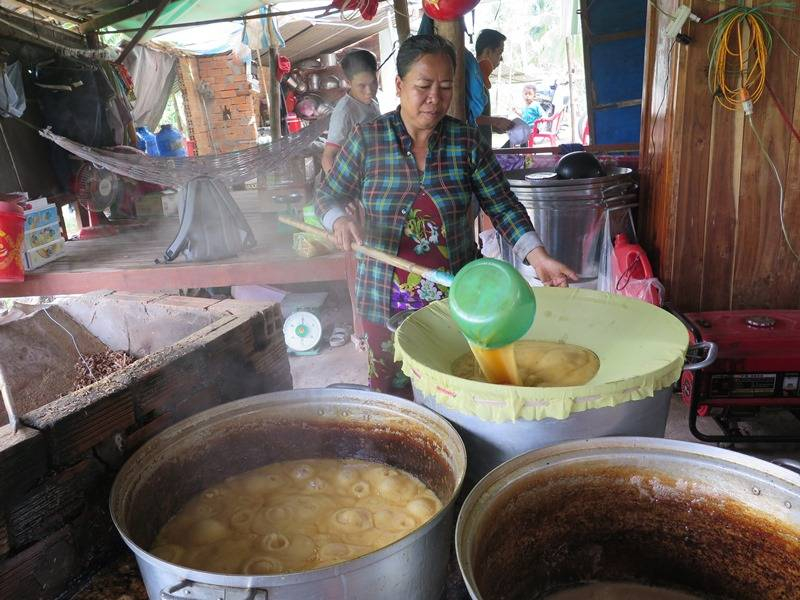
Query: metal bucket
569,215
311,423
673,515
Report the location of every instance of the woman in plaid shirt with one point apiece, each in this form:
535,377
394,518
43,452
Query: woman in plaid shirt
415,171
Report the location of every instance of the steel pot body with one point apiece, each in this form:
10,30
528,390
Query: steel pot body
675,515
246,434
328,60
490,444
569,215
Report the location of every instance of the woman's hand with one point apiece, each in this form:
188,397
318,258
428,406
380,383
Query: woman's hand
549,270
346,232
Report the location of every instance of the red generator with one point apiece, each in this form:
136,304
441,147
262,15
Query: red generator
757,367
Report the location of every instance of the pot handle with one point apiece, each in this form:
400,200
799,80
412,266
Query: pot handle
190,590
394,322
710,356
629,187
787,463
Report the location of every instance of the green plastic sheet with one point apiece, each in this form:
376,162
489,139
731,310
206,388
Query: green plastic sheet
188,11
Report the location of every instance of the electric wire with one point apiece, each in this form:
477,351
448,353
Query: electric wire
781,200
74,343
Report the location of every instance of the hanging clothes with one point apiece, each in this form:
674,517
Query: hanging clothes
153,74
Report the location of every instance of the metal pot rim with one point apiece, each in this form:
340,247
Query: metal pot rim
615,174
357,398
518,468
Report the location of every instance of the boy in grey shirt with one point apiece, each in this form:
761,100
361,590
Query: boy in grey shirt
357,106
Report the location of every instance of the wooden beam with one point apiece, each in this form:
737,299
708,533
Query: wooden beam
178,276
453,31
143,30
127,12
401,20
37,30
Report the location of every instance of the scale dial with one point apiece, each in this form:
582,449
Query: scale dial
302,331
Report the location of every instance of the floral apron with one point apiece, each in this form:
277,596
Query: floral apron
423,242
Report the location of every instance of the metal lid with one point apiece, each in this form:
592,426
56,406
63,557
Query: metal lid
540,175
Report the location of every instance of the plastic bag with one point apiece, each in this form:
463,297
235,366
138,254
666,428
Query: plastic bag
490,244
648,290
617,280
12,92
614,222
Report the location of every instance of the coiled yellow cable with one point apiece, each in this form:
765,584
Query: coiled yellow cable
742,37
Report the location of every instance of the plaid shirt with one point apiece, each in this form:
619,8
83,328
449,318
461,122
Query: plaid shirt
376,165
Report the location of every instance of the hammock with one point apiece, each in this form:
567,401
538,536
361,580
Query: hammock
232,167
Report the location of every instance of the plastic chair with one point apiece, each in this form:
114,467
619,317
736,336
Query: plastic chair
585,139
551,136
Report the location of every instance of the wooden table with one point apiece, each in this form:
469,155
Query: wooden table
126,261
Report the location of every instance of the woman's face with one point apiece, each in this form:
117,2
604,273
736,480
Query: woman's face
426,90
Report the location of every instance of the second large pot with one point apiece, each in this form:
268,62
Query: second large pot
675,515
239,436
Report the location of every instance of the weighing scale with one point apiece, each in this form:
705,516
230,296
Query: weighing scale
302,331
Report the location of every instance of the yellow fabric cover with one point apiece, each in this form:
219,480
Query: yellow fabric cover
640,346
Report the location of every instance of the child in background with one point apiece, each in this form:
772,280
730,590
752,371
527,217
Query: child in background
533,109
357,106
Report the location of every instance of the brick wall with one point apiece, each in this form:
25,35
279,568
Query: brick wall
197,128
232,109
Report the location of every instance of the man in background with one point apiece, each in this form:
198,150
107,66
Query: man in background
489,49
357,106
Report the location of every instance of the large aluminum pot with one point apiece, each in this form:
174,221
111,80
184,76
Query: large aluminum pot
674,515
334,423
490,444
569,214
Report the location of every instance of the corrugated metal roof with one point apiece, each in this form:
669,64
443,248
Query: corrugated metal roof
79,9
306,38
305,35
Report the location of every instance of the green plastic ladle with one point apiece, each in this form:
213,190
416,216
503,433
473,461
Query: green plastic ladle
491,303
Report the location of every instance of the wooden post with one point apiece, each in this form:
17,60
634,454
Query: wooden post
453,31
401,19
274,96
571,103
274,84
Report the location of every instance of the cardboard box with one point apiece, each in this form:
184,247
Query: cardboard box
150,205
42,236
44,254
39,217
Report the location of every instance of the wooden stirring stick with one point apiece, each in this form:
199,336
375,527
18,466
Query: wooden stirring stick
441,277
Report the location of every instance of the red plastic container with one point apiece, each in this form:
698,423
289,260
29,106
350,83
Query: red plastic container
293,123
12,228
632,272
191,148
